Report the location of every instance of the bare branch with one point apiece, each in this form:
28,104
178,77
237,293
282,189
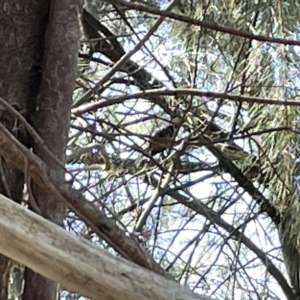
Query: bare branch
76,263
19,156
204,24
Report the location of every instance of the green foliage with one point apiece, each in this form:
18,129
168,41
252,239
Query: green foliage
210,209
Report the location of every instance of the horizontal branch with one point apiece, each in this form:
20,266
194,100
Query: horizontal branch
76,263
203,24
181,92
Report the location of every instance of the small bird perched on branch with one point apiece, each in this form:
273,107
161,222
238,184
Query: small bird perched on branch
163,139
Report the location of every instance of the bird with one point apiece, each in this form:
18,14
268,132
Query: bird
163,139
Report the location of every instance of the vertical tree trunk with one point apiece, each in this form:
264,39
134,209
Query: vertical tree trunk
22,28
53,118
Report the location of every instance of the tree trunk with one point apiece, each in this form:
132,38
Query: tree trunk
22,27
53,118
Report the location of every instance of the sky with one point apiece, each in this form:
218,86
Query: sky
207,254
256,231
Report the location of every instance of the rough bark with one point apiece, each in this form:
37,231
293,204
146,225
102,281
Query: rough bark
53,117
22,25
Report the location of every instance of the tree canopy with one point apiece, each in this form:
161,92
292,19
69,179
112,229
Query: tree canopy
216,207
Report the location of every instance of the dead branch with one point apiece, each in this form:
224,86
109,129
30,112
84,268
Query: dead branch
76,263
